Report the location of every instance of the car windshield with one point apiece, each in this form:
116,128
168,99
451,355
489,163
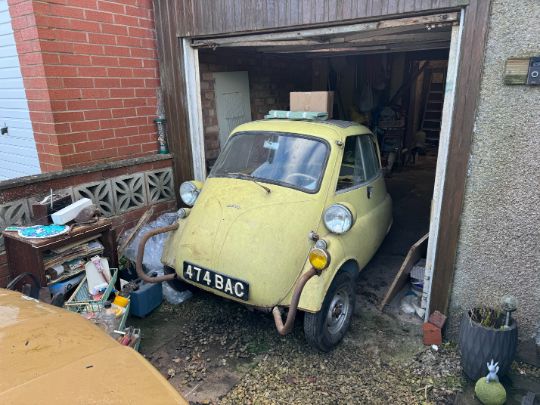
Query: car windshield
286,159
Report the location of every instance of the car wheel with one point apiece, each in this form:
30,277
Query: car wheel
325,329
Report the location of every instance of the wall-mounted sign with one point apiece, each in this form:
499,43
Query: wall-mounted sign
522,71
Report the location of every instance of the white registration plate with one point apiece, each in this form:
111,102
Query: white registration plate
220,282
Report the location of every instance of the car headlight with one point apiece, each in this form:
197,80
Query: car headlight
189,192
319,258
338,218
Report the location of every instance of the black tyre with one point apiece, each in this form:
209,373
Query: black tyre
325,329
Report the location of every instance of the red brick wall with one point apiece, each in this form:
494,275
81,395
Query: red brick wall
271,79
90,73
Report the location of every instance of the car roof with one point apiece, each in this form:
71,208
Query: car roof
330,129
50,351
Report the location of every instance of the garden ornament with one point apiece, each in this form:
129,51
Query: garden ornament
493,370
509,305
488,389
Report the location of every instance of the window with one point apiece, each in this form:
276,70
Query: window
371,160
360,162
286,159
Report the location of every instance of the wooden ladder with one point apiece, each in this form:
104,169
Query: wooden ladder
431,119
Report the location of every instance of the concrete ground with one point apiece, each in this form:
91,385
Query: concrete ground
216,351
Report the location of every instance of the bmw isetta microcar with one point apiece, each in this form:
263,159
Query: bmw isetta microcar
288,216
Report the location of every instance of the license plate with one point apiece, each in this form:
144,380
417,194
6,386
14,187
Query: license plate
220,282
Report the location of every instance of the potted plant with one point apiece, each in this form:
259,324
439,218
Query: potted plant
488,334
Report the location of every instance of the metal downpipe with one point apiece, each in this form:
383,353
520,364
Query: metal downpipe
283,329
140,255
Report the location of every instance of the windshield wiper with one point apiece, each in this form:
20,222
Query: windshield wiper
249,177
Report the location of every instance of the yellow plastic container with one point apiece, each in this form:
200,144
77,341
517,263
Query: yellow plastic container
121,301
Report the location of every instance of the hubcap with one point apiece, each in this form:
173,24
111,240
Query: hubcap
338,311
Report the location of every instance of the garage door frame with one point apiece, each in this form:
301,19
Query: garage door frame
474,33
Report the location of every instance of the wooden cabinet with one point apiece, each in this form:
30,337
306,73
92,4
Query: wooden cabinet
26,255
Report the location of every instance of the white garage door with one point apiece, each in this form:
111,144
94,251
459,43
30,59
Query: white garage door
18,154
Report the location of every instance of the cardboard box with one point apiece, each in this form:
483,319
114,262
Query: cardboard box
315,101
41,211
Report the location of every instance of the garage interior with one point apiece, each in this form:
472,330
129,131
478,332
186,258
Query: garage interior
391,79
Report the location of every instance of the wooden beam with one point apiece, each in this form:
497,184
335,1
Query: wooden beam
194,109
415,253
408,83
347,50
459,149
442,163
397,24
444,27
172,86
423,38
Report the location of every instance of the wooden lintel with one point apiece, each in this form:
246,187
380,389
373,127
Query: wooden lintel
398,23
365,50
422,38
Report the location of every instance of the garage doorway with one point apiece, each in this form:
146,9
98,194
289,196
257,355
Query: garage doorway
396,77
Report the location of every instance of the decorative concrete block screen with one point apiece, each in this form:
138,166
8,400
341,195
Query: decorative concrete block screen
114,196
14,213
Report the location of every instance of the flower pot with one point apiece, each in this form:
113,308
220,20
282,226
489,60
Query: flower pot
480,344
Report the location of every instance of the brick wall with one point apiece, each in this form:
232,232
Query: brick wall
90,73
271,79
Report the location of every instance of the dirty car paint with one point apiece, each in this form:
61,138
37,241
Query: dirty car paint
50,355
237,229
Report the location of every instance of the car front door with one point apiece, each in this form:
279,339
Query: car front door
360,186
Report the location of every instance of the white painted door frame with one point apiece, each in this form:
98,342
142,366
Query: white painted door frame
194,108
191,73
442,158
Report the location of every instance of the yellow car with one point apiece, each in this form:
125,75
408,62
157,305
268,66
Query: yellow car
52,356
288,216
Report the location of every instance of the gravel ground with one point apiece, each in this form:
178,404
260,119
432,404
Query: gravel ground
215,351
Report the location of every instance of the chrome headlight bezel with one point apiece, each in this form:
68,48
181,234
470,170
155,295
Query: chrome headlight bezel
338,219
189,192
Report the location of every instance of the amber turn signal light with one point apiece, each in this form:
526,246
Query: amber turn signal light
319,258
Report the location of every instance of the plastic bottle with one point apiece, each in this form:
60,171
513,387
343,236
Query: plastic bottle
107,319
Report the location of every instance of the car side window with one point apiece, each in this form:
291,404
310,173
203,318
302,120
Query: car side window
371,160
352,171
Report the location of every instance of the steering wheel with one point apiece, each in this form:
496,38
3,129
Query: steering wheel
300,175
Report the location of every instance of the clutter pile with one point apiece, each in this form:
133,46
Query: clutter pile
411,301
97,300
71,257
152,261
73,261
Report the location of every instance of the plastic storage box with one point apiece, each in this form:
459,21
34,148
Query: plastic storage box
81,300
145,299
